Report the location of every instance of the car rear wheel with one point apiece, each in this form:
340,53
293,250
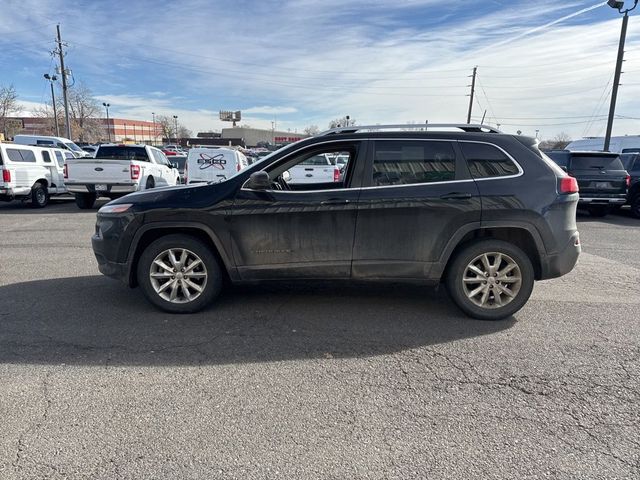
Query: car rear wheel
150,183
39,196
599,210
179,274
85,201
635,205
490,279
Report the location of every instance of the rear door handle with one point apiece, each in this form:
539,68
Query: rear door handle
335,201
455,196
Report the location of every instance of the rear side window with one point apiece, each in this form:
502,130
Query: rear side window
595,162
399,162
487,161
123,153
16,155
46,157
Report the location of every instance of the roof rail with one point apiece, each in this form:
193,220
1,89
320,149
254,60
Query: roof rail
465,127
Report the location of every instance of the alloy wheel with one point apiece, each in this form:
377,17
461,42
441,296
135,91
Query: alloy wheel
178,275
492,280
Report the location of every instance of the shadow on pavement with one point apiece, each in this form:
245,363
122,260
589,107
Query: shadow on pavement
621,217
56,205
96,321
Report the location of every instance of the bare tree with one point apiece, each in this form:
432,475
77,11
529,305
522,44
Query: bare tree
559,142
342,122
84,113
311,130
183,132
8,106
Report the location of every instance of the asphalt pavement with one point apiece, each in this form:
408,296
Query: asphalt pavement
312,380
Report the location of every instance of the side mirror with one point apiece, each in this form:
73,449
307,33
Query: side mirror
174,165
259,181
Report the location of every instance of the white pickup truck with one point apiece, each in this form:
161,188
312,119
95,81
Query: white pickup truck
117,170
315,169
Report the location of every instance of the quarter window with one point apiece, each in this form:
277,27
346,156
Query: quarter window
410,162
16,155
487,161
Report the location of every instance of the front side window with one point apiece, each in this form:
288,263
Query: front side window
313,167
59,158
487,161
398,162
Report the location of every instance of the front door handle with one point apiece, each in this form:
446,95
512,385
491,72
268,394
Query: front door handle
335,201
456,196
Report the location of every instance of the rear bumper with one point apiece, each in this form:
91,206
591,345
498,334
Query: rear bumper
616,200
9,193
111,188
557,265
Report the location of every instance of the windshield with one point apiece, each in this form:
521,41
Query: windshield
74,147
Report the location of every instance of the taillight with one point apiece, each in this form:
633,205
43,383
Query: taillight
6,176
628,180
568,185
336,174
135,172
65,171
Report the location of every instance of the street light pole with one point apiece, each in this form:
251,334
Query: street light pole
106,106
616,79
125,132
53,101
175,120
155,139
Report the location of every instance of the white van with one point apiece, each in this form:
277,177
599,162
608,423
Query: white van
213,164
52,142
625,144
33,173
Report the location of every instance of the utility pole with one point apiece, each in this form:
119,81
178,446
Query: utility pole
64,84
616,79
473,91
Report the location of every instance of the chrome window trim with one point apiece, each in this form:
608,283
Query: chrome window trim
519,174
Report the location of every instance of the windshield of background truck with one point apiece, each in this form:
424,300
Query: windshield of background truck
73,146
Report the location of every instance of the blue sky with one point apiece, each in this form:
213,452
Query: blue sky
305,62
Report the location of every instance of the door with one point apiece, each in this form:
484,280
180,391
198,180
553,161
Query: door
302,233
419,195
52,166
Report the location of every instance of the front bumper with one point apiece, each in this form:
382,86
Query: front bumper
561,263
119,271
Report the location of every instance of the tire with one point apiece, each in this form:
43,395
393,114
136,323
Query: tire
635,205
39,196
599,210
85,201
461,291
160,289
150,183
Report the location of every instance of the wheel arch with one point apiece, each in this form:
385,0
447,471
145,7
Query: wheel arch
524,237
148,234
43,181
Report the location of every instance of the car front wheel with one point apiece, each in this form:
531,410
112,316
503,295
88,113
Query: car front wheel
179,274
490,279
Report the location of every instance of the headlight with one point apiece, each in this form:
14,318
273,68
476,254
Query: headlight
118,208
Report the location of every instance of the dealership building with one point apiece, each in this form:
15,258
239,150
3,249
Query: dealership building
251,137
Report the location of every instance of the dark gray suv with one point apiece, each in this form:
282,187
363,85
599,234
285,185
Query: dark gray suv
484,212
